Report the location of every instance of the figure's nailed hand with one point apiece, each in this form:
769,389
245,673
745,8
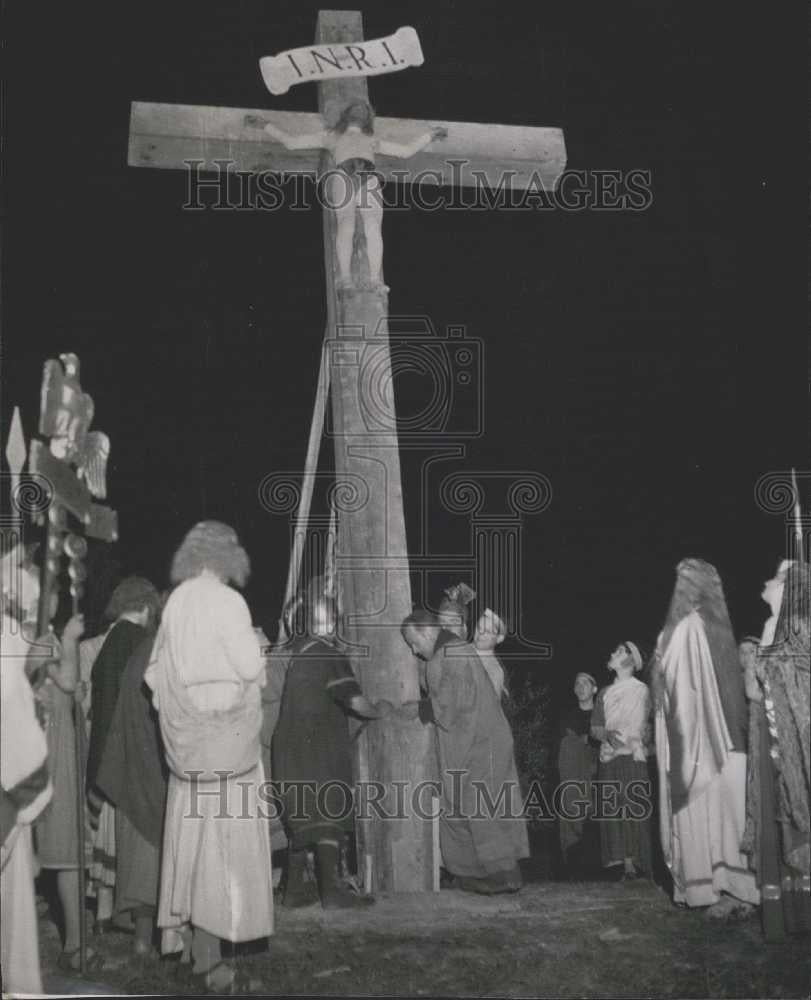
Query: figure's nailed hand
254,121
73,629
439,132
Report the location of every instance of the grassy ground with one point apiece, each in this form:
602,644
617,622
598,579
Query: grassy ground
552,939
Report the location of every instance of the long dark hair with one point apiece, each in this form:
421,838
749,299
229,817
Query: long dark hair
352,112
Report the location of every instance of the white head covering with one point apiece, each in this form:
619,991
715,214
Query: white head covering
636,656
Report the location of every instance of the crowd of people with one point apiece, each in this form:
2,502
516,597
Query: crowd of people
717,745
187,712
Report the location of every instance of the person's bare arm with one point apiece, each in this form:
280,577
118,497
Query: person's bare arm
405,149
308,140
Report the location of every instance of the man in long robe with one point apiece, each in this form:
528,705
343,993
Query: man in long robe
482,833
701,729
133,608
133,777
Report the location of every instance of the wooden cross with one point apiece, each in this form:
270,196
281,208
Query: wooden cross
372,556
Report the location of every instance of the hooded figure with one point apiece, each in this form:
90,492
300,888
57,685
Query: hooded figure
701,727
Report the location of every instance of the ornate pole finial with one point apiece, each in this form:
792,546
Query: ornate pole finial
16,455
798,520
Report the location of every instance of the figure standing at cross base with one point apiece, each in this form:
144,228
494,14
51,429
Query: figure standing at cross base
482,831
312,752
354,184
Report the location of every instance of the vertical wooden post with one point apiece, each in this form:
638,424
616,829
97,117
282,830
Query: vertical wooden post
372,557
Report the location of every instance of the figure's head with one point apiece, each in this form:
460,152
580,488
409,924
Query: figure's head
626,660
358,113
585,687
420,631
212,546
453,614
490,631
137,599
747,651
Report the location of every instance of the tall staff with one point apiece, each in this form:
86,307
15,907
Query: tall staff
74,463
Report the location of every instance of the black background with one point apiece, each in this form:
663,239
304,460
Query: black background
652,365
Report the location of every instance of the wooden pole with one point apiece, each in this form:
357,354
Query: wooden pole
76,549
372,558
307,487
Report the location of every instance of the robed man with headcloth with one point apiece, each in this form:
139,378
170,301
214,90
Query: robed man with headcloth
701,730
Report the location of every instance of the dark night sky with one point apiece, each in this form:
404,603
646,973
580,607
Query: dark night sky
652,365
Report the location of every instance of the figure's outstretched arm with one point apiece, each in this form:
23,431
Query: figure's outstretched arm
406,149
310,140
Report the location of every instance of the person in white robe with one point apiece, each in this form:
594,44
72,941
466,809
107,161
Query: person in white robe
701,735
206,673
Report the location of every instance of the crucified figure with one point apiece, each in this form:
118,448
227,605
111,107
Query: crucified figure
354,184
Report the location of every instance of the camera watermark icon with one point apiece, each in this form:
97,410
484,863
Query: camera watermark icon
438,378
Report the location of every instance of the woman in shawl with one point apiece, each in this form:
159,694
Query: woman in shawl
620,722
56,829
206,673
701,730
133,609
353,185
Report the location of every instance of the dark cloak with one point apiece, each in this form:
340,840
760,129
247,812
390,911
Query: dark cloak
133,773
105,679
